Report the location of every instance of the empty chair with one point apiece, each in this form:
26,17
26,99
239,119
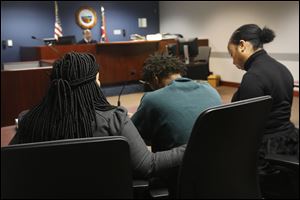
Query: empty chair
199,68
203,54
75,168
221,157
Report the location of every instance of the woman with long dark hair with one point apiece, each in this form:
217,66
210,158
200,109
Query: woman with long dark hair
75,107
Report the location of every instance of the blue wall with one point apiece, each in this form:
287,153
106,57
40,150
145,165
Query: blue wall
20,20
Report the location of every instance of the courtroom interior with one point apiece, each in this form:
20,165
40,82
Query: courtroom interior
150,99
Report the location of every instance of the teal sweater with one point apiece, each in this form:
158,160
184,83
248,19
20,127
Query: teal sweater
165,117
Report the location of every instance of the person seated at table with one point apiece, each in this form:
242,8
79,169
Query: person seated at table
87,37
75,107
165,117
266,76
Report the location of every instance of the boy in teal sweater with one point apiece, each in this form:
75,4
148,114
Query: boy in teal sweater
166,116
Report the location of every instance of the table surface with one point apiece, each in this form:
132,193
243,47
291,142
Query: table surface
7,133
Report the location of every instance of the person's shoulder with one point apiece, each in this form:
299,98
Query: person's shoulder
207,88
108,114
81,42
204,85
113,119
150,98
250,76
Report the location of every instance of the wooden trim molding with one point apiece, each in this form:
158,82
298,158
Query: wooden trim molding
236,85
229,84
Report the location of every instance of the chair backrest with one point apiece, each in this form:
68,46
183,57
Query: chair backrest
221,157
77,168
203,54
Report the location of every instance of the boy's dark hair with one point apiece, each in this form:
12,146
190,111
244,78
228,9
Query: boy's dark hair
252,33
162,66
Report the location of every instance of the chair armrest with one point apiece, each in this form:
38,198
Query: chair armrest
282,159
159,193
140,189
138,183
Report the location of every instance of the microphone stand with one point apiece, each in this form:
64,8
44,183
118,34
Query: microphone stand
119,98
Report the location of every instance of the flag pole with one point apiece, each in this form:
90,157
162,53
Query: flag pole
103,26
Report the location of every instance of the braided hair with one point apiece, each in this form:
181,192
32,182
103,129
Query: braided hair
68,109
254,34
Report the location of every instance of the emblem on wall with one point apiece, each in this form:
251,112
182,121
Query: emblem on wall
86,17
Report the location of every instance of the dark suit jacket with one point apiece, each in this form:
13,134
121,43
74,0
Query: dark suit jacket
84,42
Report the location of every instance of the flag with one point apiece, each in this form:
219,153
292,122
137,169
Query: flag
57,25
104,37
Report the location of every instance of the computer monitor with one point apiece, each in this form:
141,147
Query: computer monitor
70,39
192,46
49,41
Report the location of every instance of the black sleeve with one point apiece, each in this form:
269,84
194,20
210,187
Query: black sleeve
81,42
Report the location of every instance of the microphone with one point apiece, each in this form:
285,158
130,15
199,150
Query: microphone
119,98
147,86
51,47
143,82
132,73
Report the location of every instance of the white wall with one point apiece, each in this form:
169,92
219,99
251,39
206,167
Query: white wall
217,20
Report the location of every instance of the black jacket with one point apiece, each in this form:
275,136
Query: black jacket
84,42
266,76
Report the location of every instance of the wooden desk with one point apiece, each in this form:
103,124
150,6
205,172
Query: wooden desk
123,61
21,90
119,61
7,134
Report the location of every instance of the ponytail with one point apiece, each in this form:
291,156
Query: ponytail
266,35
253,34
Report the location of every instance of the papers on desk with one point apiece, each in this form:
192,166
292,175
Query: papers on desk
137,37
154,37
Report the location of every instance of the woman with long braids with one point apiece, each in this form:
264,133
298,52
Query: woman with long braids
75,107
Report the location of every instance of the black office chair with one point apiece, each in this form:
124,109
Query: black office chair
199,68
203,54
76,168
221,157
281,180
